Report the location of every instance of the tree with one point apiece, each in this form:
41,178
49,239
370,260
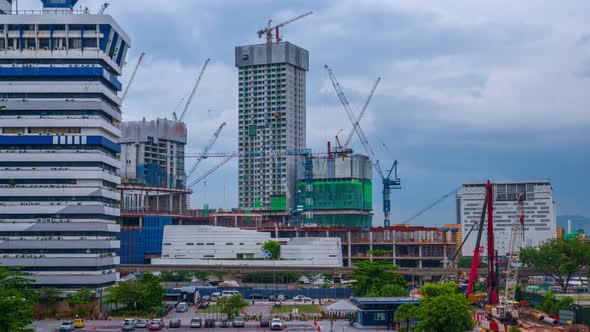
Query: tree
443,308
552,306
405,313
153,292
47,296
559,259
388,291
17,300
231,306
370,276
144,295
273,247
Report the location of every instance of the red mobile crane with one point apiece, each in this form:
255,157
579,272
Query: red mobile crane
492,280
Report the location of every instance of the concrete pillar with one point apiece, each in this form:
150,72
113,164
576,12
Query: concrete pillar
370,244
420,256
235,221
214,220
170,209
157,201
349,237
327,234
140,222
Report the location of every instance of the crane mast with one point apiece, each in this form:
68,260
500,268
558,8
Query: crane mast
513,256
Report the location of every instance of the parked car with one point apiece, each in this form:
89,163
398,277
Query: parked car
141,323
79,323
156,325
224,323
229,293
196,322
174,323
206,298
302,298
203,305
67,326
281,297
128,326
239,322
276,324
215,295
182,307
264,322
209,322
129,320
272,297
256,296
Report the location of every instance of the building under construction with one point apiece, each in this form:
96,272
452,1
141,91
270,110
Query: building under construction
342,191
153,186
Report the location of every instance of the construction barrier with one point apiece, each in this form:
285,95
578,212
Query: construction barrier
490,325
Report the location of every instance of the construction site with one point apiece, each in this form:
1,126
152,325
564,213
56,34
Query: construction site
290,191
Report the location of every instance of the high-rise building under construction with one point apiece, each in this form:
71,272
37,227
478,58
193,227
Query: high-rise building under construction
271,119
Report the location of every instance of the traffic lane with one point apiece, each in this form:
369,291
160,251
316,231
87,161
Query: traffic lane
106,326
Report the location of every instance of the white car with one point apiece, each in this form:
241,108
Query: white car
196,322
215,295
276,324
302,298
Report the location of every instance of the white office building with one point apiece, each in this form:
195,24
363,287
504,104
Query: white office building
59,143
228,246
539,210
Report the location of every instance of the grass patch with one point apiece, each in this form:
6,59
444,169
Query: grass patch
303,309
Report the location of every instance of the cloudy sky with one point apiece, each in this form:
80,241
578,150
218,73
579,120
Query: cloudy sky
469,91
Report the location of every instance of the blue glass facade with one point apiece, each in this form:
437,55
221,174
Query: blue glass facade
137,242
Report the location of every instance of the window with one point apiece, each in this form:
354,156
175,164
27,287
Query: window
167,244
210,244
190,244
229,244
200,244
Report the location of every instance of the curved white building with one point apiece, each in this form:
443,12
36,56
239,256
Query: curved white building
59,143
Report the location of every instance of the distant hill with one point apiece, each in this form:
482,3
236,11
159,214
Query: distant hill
578,222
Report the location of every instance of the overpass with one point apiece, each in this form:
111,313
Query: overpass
241,270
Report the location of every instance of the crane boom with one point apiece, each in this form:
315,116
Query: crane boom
206,174
132,75
268,30
192,95
431,205
206,149
350,114
360,116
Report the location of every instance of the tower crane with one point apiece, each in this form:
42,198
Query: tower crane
132,75
431,205
387,180
269,29
192,95
360,116
176,109
211,170
206,149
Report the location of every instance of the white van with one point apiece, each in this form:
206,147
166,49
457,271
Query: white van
229,293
